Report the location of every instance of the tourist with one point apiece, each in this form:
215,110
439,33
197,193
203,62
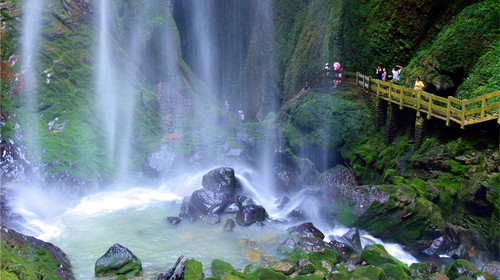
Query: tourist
336,66
327,68
337,75
384,75
419,85
306,86
396,71
241,115
378,73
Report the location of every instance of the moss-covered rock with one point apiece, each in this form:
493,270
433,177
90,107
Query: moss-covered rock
118,260
193,270
265,274
462,267
220,267
378,256
369,272
25,257
395,272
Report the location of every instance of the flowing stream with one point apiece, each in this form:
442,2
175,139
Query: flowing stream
134,216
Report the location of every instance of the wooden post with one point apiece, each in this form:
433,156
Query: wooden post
462,117
390,92
357,79
483,105
419,96
378,88
401,96
448,111
430,107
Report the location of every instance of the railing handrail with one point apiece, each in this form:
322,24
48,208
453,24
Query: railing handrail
447,109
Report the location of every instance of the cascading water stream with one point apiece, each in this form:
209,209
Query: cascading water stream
106,80
30,42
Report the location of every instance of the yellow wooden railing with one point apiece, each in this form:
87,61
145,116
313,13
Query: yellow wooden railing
464,112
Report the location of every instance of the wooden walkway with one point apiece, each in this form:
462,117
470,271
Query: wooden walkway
463,112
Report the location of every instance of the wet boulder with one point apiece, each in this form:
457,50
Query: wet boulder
368,272
118,260
287,246
282,202
422,270
378,256
220,267
352,238
337,176
221,179
188,210
308,237
394,212
284,267
161,162
462,268
492,268
250,214
344,250
244,200
50,261
306,230
208,201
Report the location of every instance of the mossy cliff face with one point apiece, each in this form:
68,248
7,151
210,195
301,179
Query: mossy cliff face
69,126
418,35
459,175
463,59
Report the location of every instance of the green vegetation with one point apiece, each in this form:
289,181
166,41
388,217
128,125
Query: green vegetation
24,262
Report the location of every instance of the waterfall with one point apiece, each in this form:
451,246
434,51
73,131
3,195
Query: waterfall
106,83
30,42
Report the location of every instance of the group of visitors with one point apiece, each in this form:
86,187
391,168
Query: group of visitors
381,74
337,73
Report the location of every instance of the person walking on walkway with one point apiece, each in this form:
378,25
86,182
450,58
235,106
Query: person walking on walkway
419,85
396,71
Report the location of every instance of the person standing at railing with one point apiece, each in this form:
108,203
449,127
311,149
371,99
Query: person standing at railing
396,71
419,85
384,76
327,73
378,73
337,73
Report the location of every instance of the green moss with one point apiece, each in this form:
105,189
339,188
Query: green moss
219,267
265,274
193,270
343,213
462,267
368,272
23,262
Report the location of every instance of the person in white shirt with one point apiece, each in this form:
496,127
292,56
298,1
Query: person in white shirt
396,71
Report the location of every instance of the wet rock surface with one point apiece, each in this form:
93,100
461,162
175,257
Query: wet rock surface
18,240
118,260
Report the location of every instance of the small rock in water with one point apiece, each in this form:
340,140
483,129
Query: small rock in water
229,225
173,220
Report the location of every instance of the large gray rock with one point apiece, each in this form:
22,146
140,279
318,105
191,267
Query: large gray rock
209,201
220,179
118,260
250,214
